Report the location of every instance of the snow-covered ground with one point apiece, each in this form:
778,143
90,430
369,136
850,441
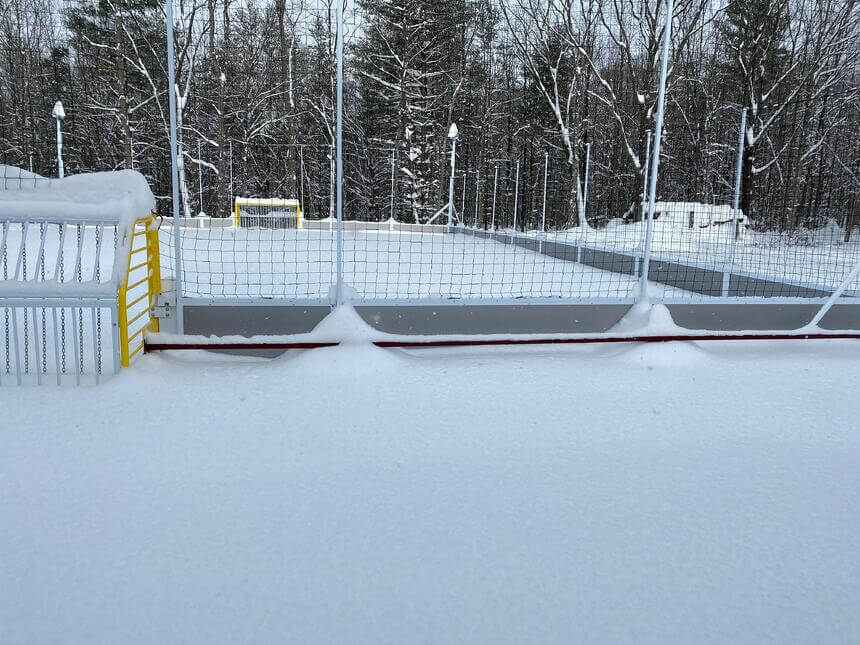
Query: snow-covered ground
816,257
378,264
224,262
646,494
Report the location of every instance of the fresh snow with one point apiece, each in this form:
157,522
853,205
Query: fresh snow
58,112
122,194
817,257
10,176
677,492
268,263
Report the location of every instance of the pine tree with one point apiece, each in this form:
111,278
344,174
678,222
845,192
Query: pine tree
754,32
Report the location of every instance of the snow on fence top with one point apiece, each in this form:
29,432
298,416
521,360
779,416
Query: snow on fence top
121,196
76,232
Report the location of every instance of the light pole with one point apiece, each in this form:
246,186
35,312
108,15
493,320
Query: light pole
59,114
453,135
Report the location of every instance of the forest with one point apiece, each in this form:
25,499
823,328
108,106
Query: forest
535,87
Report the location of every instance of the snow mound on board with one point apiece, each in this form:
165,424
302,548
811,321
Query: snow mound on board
656,320
120,194
647,320
345,326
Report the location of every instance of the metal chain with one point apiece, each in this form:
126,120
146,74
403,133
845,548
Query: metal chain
80,313
115,241
26,326
6,316
62,309
98,311
44,331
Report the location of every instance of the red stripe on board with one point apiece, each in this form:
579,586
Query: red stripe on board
608,339
157,347
477,342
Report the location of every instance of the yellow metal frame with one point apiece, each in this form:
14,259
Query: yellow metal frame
131,345
239,200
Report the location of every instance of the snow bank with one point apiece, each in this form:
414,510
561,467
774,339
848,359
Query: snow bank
122,195
14,173
583,495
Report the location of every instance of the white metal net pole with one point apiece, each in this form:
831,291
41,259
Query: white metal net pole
516,195
199,176
452,135
174,169
543,207
393,162
585,188
495,183
655,163
339,154
735,204
835,295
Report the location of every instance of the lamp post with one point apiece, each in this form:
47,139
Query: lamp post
59,114
453,135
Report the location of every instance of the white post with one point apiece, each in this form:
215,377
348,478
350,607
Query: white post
516,195
199,178
231,176
463,200
393,162
644,204
835,296
339,142
645,172
735,204
453,133
31,162
477,191
302,178
655,163
331,186
543,209
495,183
59,114
583,229
587,174
174,168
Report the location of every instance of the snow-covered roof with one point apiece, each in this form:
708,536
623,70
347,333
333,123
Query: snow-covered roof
266,201
12,176
122,195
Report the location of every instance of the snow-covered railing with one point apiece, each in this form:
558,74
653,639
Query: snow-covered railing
72,256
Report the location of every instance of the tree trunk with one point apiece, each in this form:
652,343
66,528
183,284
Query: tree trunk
124,111
222,207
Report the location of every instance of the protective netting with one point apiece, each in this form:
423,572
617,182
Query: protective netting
554,117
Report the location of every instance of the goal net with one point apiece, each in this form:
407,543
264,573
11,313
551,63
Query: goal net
254,212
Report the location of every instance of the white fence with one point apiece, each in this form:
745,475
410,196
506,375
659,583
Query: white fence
76,296
58,300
